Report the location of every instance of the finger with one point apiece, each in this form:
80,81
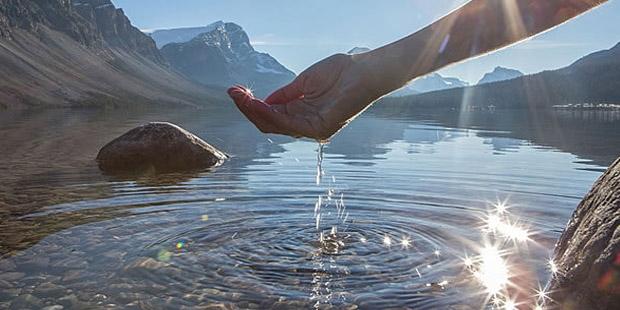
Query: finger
262,115
287,93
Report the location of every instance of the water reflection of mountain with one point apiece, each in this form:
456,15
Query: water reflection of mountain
48,155
583,133
48,160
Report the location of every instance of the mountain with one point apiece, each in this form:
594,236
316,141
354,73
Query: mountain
82,52
224,57
429,83
500,74
358,50
180,35
594,78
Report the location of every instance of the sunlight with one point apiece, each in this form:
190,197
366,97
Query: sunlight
542,295
492,272
387,241
514,20
510,305
405,242
495,224
553,267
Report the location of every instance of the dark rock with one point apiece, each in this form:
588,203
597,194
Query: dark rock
587,256
11,276
158,147
26,301
145,264
47,290
115,28
36,263
7,265
70,301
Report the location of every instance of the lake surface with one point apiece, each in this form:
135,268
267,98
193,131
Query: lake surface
424,210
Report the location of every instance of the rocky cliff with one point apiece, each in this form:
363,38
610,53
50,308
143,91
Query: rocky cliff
82,52
115,29
588,253
224,57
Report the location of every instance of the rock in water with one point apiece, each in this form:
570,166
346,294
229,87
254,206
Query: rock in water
159,147
587,256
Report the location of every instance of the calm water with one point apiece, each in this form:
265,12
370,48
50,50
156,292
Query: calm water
411,208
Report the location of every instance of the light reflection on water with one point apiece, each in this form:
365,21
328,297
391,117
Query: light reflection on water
416,211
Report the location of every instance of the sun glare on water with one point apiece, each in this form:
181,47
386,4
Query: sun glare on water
492,272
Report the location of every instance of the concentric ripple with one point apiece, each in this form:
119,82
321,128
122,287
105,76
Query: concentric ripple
404,223
276,253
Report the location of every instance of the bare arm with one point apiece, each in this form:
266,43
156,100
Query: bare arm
329,94
476,28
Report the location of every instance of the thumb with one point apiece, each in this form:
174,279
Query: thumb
240,94
288,93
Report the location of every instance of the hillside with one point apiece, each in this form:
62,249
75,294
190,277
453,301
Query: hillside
57,53
593,78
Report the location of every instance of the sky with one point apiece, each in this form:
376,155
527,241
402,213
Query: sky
300,33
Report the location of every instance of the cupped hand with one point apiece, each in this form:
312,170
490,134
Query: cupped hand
317,104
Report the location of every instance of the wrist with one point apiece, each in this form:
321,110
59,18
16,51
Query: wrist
382,72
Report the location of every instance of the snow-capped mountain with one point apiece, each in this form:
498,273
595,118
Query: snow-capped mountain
224,56
358,50
181,35
429,83
83,52
594,78
500,74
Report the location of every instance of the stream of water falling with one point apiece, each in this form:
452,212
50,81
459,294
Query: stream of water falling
329,240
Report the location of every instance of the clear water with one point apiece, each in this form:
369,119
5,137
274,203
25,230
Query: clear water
406,203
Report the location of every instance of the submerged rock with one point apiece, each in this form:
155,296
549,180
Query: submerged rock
159,147
587,256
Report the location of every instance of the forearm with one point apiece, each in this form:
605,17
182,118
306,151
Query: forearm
478,27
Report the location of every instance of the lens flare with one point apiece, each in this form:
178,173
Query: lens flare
492,272
468,262
510,305
514,232
501,207
553,267
387,241
405,242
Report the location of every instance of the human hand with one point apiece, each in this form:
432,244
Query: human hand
317,104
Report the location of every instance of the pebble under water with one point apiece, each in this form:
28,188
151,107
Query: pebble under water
426,212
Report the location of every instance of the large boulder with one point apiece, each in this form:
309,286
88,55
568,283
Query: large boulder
587,256
158,147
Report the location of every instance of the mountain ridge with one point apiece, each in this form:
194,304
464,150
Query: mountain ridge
500,73
429,83
163,37
223,57
83,52
592,78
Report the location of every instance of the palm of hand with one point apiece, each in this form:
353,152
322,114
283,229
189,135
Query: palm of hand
317,104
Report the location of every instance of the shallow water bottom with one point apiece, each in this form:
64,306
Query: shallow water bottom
416,212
